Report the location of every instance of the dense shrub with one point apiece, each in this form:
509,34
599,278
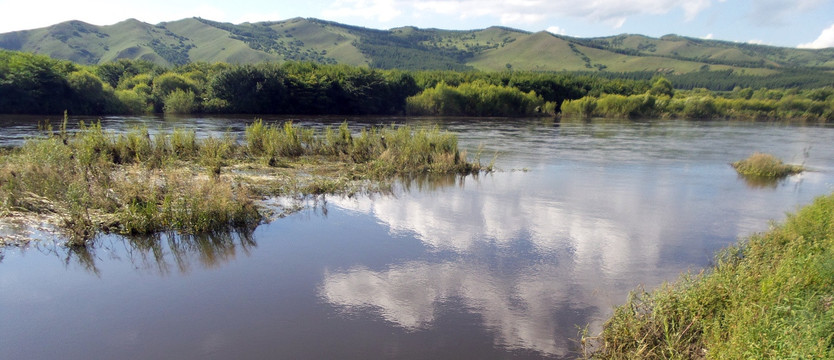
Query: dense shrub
474,99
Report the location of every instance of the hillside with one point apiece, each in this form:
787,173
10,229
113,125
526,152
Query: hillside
495,48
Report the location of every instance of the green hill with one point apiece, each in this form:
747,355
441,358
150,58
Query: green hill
494,48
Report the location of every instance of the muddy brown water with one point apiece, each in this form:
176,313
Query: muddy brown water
504,265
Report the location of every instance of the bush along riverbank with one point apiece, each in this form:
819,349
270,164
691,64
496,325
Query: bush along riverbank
135,183
662,101
769,297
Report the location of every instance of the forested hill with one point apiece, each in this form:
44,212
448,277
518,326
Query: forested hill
408,48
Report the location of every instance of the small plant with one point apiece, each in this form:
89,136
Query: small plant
765,166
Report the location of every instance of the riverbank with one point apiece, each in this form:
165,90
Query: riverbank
769,297
92,180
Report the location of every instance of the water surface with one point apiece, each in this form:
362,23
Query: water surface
503,265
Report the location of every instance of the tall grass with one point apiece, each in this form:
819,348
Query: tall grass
765,166
137,183
388,150
770,297
99,180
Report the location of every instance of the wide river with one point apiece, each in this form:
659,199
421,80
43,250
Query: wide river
511,264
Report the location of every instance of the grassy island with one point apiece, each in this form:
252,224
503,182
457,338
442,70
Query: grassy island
769,297
765,166
135,183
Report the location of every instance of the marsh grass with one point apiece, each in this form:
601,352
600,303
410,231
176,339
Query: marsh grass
385,150
769,297
765,166
138,183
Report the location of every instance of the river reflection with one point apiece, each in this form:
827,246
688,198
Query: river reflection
161,254
504,265
530,266
518,309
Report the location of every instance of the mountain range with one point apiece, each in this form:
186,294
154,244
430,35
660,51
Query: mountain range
495,48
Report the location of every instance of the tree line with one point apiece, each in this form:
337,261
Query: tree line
36,84
661,100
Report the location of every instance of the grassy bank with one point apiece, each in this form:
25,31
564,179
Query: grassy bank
136,183
770,297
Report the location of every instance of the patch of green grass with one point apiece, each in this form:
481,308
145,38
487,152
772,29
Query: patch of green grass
137,183
769,297
765,166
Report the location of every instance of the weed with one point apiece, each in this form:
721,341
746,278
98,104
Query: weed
765,166
766,298
135,183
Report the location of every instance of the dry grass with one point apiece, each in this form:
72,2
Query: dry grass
136,183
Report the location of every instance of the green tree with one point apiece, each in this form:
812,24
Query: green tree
662,86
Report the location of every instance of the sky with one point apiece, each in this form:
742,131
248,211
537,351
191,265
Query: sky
791,23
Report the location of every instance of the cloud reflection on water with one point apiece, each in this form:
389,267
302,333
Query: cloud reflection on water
519,310
567,261
536,253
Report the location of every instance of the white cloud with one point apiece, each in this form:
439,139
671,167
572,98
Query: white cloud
692,8
41,13
206,12
617,23
612,12
556,30
709,36
826,39
253,17
380,10
755,42
776,12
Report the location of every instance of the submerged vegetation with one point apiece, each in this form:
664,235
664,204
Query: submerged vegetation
770,297
765,166
138,183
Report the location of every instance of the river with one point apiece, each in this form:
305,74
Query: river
510,264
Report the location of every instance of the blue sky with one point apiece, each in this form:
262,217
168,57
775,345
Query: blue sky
806,23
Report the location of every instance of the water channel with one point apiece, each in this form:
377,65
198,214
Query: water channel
510,264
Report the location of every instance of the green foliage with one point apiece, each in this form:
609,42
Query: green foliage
134,102
585,107
765,165
700,108
271,142
662,87
35,84
181,102
386,150
137,183
770,297
761,104
474,99
167,83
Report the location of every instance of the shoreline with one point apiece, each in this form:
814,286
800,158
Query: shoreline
769,296
93,181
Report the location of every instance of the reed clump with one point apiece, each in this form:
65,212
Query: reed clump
139,183
381,150
765,166
769,297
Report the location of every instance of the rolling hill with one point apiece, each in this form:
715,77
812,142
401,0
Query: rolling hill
495,48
